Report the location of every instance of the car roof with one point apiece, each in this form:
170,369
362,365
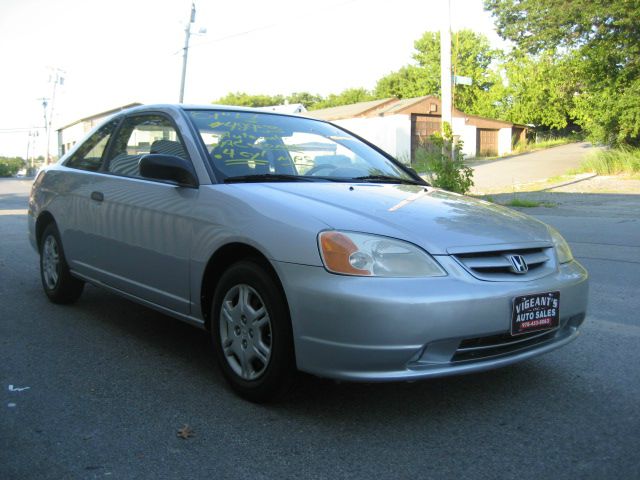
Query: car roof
183,107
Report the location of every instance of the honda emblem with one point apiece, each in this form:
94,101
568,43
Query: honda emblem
518,264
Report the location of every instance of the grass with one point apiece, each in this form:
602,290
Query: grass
522,203
567,177
616,161
531,146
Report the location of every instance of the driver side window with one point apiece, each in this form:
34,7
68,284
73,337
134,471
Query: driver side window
89,155
140,135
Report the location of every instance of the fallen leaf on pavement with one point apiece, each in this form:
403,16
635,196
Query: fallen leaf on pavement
185,432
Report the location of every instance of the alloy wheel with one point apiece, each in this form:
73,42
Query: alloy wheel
50,262
245,332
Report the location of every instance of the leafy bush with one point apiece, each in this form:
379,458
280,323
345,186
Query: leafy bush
441,170
9,166
613,161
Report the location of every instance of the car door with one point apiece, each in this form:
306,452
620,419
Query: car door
143,227
73,209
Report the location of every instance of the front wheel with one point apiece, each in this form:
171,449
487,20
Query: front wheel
251,332
58,283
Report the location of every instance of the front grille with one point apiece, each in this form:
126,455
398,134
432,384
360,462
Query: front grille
495,345
496,266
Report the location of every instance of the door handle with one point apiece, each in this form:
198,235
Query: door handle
97,196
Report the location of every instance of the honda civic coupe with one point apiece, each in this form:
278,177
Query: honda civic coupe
300,247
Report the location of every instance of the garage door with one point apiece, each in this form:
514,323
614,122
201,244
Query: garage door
422,127
487,142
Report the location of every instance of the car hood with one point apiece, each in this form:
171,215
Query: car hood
441,222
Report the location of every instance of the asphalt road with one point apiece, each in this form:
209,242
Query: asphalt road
504,173
110,383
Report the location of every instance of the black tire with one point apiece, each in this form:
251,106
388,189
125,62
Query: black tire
58,283
240,353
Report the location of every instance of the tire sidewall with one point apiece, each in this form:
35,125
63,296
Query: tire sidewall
281,364
51,231
68,288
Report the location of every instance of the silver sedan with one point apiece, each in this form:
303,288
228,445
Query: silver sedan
299,246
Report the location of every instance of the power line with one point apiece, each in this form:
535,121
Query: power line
20,129
265,27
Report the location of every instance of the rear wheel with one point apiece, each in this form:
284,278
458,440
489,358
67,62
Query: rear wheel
58,283
251,332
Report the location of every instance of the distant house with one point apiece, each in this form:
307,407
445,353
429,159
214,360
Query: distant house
399,126
289,108
72,133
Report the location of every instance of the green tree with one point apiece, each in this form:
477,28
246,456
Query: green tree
598,42
540,90
346,97
537,25
472,56
242,99
9,166
408,82
495,101
305,98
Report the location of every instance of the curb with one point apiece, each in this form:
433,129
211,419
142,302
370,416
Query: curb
588,176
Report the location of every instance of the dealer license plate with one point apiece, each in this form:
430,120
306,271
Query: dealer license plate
540,311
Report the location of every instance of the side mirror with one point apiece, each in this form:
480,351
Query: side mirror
169,168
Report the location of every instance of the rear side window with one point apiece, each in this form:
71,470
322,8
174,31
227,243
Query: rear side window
89,155
140,135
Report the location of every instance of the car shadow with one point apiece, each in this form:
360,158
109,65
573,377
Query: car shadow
189,349
437,395
161,335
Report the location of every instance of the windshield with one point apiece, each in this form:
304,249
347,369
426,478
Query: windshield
248,146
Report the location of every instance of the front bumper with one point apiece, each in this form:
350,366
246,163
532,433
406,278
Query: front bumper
383,329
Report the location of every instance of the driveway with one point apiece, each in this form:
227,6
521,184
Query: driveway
502,174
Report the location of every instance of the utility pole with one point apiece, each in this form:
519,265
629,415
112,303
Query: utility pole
445,69
31,146
28,147
185,51
57,79
45,104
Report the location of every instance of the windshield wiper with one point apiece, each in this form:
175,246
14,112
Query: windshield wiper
389,179
270,177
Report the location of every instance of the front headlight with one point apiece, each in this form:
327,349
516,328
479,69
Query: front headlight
361,254
561,246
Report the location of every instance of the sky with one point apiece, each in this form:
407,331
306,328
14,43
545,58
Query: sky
114,52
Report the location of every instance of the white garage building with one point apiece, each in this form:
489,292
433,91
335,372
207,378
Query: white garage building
399,126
